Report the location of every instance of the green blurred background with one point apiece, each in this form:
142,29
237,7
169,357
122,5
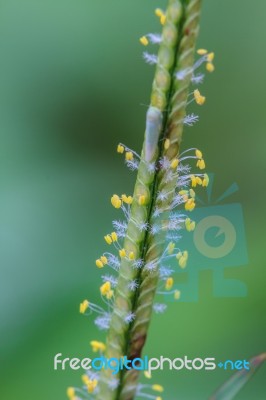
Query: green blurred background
73,84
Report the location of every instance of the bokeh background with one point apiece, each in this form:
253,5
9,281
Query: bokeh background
73,84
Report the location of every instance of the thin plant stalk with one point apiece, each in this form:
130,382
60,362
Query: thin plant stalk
165,123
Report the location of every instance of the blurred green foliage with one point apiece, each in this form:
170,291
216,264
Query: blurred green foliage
73,84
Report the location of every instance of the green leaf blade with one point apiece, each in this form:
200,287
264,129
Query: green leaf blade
230,389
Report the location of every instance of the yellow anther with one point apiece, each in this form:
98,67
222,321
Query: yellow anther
109,294
83,306
200,100
70,392
158,398
183,192
129,156
142,200
105,290
190,204
114,236
177,294
201,164
210,57
106,286
193,181
157,388
190,225
169,283
182,262
122,253
167,144
97,346
192,193
127,199
120,149
170,248
131,255
206,180
210,67
199,180
116,201
198,153
91,385
108,239
159,12
104,260
182,259
99,263
201,52
85,379
163,19
147,374
174,163
144,40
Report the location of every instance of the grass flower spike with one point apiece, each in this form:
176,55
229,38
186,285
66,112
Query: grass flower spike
147,235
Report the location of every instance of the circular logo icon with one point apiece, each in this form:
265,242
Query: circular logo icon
224,226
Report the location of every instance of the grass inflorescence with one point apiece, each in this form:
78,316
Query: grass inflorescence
147,236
